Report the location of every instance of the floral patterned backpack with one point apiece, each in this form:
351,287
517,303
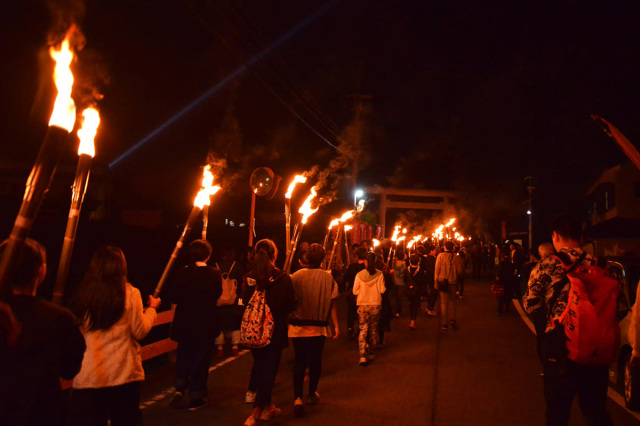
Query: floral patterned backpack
257,324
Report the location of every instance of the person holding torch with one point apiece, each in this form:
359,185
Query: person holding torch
113,321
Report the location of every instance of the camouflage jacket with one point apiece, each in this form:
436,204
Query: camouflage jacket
548,287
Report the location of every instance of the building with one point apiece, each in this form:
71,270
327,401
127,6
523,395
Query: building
613,227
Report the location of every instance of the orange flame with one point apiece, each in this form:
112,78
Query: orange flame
348,215
404,231
375,242
333,223
401,239
396,231
348,227
208,189
292,185
306,209
87,132
64,110
451,221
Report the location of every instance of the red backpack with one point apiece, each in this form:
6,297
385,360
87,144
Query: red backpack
589,320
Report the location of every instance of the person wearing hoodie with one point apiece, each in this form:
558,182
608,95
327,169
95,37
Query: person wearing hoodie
368,287
445,278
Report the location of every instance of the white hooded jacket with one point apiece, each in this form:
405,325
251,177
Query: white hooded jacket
369,288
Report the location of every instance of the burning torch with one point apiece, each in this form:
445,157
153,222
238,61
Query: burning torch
394,239
346,242
60,125
346,216
202,199
306,212
287,210
86,151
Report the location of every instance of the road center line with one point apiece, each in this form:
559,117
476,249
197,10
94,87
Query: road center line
169,391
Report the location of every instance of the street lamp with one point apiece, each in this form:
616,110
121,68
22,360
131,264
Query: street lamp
359,193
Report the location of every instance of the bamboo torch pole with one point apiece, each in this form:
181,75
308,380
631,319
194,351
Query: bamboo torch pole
205,221
287,212
306,212
60,125
335,244
86,151
346,244
193,217
202,199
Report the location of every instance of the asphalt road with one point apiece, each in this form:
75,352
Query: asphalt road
485,373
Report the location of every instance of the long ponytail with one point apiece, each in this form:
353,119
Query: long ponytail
263,259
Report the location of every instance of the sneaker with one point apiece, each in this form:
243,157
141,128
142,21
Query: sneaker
220,352
176,400
235,351
298,407
313,399
250,397
196,404
363,361
270,412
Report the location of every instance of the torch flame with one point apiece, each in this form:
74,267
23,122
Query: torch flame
292,185
411,244
333,223
208,189
404,231
306,209
64,110
375,242
451,221
348,215
396,231
87,132
348,227
401,239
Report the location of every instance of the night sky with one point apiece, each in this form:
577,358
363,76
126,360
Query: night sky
471,97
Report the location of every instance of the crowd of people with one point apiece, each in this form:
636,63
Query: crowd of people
260,307
95,343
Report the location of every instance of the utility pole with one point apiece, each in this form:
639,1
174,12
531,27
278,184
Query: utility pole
358,106
530,188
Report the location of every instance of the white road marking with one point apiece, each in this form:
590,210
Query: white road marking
169,391
615,396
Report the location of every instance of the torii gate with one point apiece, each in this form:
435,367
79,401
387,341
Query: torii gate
438,200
